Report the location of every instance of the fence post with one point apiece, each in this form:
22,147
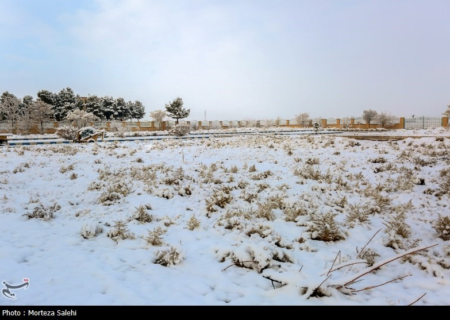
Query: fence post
445,122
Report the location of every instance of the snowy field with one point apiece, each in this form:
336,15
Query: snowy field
250,220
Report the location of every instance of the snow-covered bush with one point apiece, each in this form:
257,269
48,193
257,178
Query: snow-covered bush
142,215
169,257
67,132
90,230
180,130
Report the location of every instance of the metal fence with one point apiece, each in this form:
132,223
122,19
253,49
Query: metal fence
423,122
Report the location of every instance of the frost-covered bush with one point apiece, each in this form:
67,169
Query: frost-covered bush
90,230
169,257
45,213
67,132
180,130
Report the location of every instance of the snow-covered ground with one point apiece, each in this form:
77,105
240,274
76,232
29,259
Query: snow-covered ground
250,220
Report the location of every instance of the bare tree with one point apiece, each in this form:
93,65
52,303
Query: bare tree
302,118
385,119
158,116
369,116
41,112
345,122
447,112
81,118
9,109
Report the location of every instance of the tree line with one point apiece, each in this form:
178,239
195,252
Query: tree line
49,106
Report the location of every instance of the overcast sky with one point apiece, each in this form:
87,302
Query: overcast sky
234,59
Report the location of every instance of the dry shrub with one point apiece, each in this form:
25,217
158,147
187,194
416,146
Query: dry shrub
64,169
357,214
378,160
292,213
252,168
369,255
120,231
397,230
308,172
45,213
442,227
169,257
312,161
73,176
193,223
262,175
219,198
154,237
264,210
323,227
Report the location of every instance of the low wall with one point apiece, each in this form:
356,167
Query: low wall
50,127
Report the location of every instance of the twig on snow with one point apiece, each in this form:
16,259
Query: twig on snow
380,264
417,299
367,244
379,285
337,255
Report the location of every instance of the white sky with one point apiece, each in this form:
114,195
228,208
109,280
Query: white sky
235,60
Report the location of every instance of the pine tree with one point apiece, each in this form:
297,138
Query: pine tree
138,110
175,109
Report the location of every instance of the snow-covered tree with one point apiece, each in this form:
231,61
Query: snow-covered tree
137,110
302,118
41,112
369,116
122,110
62,103
81,118
94,105
9,109
175,110
158,116
47,97
107,106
